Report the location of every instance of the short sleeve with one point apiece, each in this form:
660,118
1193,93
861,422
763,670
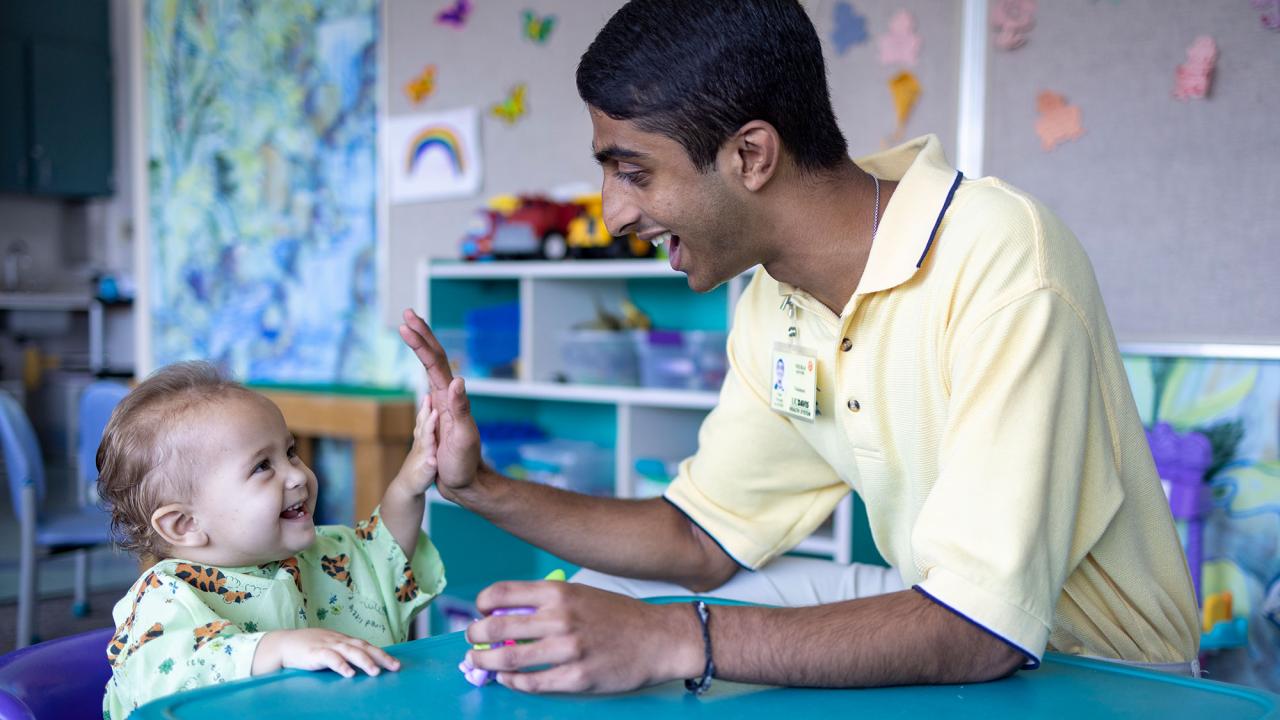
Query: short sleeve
1028,479
754,484
168,642
405,585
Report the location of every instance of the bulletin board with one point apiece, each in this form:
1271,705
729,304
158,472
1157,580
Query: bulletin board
478,61
1177,202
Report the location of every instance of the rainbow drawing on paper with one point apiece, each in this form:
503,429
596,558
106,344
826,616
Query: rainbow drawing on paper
433,136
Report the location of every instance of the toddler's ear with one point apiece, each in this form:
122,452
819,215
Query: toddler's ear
177,527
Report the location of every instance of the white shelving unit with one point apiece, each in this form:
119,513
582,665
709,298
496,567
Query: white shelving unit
555,296
104,320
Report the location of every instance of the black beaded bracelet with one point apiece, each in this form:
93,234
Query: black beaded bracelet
700,685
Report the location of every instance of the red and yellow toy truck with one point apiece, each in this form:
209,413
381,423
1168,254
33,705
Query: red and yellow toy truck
536,227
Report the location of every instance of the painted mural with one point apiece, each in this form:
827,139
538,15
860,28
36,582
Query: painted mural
262,127
1235,406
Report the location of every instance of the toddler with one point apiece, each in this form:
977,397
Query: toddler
202,472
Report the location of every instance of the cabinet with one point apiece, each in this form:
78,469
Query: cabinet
55,99
635,422
100,344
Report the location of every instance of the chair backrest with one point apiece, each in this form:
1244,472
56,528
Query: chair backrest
96,403
60,678
22,460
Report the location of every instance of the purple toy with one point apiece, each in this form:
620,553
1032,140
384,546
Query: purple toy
1182,459
477,676
56,679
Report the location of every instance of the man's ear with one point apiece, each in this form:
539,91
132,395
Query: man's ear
177,527
754,153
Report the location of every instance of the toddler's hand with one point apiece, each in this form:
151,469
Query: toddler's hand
420,466
317,649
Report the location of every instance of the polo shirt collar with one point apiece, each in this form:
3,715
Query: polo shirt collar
926,185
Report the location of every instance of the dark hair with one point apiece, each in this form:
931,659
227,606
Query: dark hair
136,459
698,70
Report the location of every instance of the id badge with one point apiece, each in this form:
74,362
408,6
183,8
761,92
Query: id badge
794,382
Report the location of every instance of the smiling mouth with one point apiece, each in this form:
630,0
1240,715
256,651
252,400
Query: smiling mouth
295,511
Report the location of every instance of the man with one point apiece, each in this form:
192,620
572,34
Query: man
947,354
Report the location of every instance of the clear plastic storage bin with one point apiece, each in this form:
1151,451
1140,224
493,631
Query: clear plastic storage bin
598,357
454,342
570,465
681,359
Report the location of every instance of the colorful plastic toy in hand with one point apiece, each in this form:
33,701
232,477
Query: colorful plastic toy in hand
480,677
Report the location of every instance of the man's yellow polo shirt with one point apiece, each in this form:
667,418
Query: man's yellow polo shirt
972,393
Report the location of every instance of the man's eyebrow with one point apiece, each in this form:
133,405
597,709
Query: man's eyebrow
613,152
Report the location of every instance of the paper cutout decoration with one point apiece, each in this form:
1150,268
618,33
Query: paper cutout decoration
421,86
1013,20
537,29
1270,13
1191,79
900,45
905,89
455,15
510,109
431,156
850,30
1058,122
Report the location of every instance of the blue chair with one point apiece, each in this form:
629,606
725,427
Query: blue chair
62,678
45,533
97,401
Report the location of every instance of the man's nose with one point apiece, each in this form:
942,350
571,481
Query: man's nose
621,215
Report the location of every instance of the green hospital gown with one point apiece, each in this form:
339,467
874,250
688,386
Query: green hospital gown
185,625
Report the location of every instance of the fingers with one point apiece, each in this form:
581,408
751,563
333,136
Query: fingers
366,657
562,679
422,341
329,657
429,437
517,627
520,594
555,650
459,403
384,658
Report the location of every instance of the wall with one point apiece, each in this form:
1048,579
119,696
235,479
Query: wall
1175,201
480,62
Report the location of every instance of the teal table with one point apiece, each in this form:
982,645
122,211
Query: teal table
429,685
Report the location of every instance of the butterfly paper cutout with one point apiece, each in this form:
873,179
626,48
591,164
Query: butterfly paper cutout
537,28
900,45
1192,78
455,15
512,108
1013,20
1058,122
1270,13
851,28
421,87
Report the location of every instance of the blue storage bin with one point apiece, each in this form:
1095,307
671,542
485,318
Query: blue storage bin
493,340
500,441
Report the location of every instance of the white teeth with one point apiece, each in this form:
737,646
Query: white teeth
664,237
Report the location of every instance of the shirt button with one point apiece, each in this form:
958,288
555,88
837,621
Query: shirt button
854,405
846,345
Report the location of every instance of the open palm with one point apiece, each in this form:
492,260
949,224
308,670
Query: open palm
458,447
